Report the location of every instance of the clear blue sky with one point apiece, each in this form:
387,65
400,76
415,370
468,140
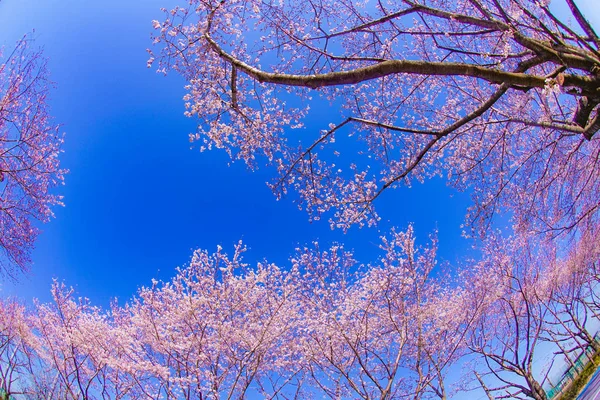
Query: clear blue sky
138,199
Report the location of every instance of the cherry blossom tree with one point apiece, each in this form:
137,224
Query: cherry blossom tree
14,335
582,267
570,299
567,304
388,331
29,147
507,334
219,329
325,327
222,329
499,95
23,372
76,346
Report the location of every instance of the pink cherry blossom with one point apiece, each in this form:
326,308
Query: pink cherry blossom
498,96
30,143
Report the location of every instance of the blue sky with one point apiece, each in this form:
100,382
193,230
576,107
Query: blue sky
138,199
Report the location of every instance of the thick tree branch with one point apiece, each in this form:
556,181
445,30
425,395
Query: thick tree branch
393,67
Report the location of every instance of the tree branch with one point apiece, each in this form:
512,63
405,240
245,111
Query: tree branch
392,67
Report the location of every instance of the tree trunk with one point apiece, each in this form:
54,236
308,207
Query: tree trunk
536,390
